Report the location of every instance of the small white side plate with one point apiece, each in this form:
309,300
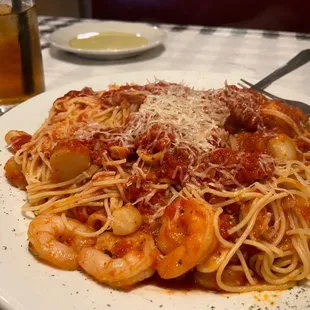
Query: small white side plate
61,38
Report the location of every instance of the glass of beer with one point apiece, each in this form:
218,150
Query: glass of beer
21,68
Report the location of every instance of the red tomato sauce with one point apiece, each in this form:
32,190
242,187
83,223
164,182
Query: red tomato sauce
18,142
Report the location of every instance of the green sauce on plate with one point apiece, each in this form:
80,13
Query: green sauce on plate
108,41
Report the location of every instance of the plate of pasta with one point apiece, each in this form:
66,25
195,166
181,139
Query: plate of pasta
143,190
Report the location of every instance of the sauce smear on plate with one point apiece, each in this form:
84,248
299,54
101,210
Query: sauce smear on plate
108,41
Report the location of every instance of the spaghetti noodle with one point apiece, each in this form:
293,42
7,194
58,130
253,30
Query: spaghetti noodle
168,179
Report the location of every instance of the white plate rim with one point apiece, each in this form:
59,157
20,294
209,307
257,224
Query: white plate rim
141,298
62,31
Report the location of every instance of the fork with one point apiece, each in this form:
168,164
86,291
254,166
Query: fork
301,105
297,61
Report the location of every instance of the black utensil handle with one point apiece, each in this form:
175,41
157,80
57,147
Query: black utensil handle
299,60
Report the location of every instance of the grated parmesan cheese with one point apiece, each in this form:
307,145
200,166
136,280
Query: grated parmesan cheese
195,117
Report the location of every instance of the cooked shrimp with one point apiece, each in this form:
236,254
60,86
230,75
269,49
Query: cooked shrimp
120,261
213,262
186,237
229,277
51,241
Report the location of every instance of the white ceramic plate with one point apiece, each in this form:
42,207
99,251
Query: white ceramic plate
26,284
61,38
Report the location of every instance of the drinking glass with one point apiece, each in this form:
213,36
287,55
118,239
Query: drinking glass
21,68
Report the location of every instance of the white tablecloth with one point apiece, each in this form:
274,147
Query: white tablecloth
222,50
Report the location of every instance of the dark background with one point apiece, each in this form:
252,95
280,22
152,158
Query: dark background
285,15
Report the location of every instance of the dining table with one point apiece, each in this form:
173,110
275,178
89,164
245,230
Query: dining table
248,53
229,52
